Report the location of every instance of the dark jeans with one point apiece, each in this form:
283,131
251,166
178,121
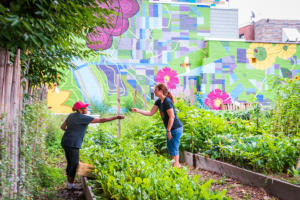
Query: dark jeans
72,155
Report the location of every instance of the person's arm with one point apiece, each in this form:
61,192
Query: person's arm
102,120
144,112
64,126
171,115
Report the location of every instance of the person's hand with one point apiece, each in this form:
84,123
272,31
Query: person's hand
120,117
134,109
169,135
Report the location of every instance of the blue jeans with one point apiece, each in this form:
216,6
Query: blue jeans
173,144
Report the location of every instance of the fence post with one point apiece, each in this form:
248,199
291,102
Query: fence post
118,104
192,96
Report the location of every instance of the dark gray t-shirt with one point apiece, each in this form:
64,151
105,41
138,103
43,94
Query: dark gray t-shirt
163,107
76,127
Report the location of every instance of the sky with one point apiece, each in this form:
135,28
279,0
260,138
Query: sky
272,9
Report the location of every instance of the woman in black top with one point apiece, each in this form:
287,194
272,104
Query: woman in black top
174,127
75,127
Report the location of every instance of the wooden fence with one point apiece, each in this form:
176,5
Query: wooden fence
234,107
11,103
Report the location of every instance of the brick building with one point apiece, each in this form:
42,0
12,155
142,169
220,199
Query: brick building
247,32
270,30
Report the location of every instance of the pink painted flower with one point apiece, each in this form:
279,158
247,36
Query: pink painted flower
101,38
216,98
167,76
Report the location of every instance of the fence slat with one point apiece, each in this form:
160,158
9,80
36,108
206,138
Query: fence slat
15,100
4,58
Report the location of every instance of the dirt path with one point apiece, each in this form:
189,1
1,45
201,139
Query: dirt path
64,194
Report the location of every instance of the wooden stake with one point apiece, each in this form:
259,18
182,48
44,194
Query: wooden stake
145,97
118,104
134,97
192,96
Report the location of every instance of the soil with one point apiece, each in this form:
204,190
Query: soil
235,190
65,194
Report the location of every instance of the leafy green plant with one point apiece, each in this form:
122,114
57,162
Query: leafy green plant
130,169
128,104
264,153
50,177
227,137
54,135
285,115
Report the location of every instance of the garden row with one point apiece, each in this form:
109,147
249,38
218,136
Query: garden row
228,137
131,169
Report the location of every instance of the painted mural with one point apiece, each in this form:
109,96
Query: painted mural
242,69
203,2
153,48
164,43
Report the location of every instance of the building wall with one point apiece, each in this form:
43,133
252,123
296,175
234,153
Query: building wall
247,32
224,23
271,29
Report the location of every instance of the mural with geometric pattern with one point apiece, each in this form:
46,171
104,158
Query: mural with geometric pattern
158,37
165,43
241,69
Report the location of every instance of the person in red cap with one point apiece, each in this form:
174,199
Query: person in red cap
75,127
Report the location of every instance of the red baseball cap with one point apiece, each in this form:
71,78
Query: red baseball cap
79,104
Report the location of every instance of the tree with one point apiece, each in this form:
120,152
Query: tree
45,31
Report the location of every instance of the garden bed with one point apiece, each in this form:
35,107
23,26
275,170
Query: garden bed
275,187
88,193
235,189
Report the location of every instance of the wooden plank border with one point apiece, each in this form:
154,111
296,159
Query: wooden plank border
275,187
89,195
187,158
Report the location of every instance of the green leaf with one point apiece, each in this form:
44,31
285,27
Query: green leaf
33,38
15,22
27,26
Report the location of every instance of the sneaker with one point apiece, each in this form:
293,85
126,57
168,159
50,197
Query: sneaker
77,187
70,186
